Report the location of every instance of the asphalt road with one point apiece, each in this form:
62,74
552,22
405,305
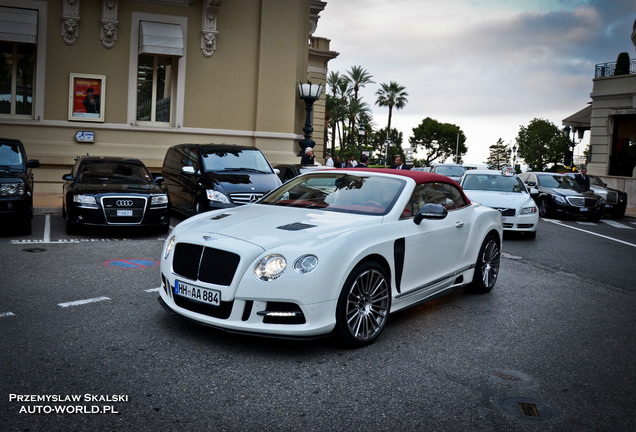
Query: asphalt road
550,348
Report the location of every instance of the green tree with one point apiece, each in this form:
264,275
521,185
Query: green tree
541,143
439,140
498,157
391,95
622,64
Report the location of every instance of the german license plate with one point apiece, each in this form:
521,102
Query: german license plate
584,209
198,294
124,212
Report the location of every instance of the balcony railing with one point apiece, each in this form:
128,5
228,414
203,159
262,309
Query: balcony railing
604,70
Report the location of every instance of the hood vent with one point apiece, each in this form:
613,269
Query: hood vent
296,226
221,216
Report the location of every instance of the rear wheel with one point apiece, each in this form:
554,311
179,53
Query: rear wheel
544,207
363,306
487,265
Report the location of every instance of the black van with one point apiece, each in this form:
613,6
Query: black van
16,184
202,177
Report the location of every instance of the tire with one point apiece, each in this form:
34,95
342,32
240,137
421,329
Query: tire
531,235
71,228
363,306
544,207
487,265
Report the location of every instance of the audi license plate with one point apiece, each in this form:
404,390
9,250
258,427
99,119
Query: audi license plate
199,294
124,212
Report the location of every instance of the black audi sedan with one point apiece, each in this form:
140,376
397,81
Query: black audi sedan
114,192
559,194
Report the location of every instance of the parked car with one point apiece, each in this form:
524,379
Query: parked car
559,194
330,251
113,192
615,200
287,172
16,184
504,191
454,171
202,177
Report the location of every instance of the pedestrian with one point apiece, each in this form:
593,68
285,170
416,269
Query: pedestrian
329,161
352,163
399,164
308,157
364,161
583,179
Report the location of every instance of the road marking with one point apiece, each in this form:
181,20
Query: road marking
47,229
510,256
590,232
616,224
6,314
82,302
586,223
153,290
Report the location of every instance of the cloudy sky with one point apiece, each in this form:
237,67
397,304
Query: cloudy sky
488,66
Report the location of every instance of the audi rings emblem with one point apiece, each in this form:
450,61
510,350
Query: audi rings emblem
124,203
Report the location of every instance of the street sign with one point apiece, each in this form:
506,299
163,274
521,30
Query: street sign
85,136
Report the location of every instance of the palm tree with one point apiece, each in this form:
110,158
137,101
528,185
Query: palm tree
357,77
391,95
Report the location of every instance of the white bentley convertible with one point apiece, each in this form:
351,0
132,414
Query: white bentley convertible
332,251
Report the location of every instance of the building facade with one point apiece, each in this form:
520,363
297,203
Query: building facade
131,78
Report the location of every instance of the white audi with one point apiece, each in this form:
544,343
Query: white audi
505,192
330,252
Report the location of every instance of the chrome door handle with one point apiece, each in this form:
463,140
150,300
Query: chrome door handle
459,225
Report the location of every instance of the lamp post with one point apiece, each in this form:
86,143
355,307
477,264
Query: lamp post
361,133
568,158
310,93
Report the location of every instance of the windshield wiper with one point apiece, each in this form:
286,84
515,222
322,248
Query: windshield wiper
245,169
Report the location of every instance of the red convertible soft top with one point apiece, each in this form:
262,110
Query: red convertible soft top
418,176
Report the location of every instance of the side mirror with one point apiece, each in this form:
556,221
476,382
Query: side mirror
430,211
534,191
276,171
33,163
188,170
159,180
67,177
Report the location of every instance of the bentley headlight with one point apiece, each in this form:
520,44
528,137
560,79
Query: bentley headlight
85,200
270,268
214,195
168,247
306,264
529,210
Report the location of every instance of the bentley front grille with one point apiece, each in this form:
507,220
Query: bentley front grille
205,264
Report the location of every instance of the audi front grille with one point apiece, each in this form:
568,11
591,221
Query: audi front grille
124,210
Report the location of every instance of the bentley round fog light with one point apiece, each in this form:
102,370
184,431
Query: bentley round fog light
269,268
306,264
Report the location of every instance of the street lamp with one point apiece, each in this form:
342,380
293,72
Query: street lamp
310,93
514,154
568,158
361,133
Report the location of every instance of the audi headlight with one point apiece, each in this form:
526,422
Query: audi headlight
214,195
559,199
12,189
168,247
85,200
306,264
270,268
159,200
528,210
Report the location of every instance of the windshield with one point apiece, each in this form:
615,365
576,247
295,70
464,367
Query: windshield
360,194
10,157
559,181
450,170
113,172
234,160
493,182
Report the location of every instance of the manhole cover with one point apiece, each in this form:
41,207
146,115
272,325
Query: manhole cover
527,408
35,250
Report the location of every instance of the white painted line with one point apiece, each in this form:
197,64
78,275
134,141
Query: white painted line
590,232
82,302
153,290
47,229
586,223
6,314
510,256
616,224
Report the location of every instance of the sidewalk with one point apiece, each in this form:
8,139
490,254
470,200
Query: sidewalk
51,203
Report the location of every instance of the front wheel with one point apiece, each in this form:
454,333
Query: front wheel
544,207
487,265
363,306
